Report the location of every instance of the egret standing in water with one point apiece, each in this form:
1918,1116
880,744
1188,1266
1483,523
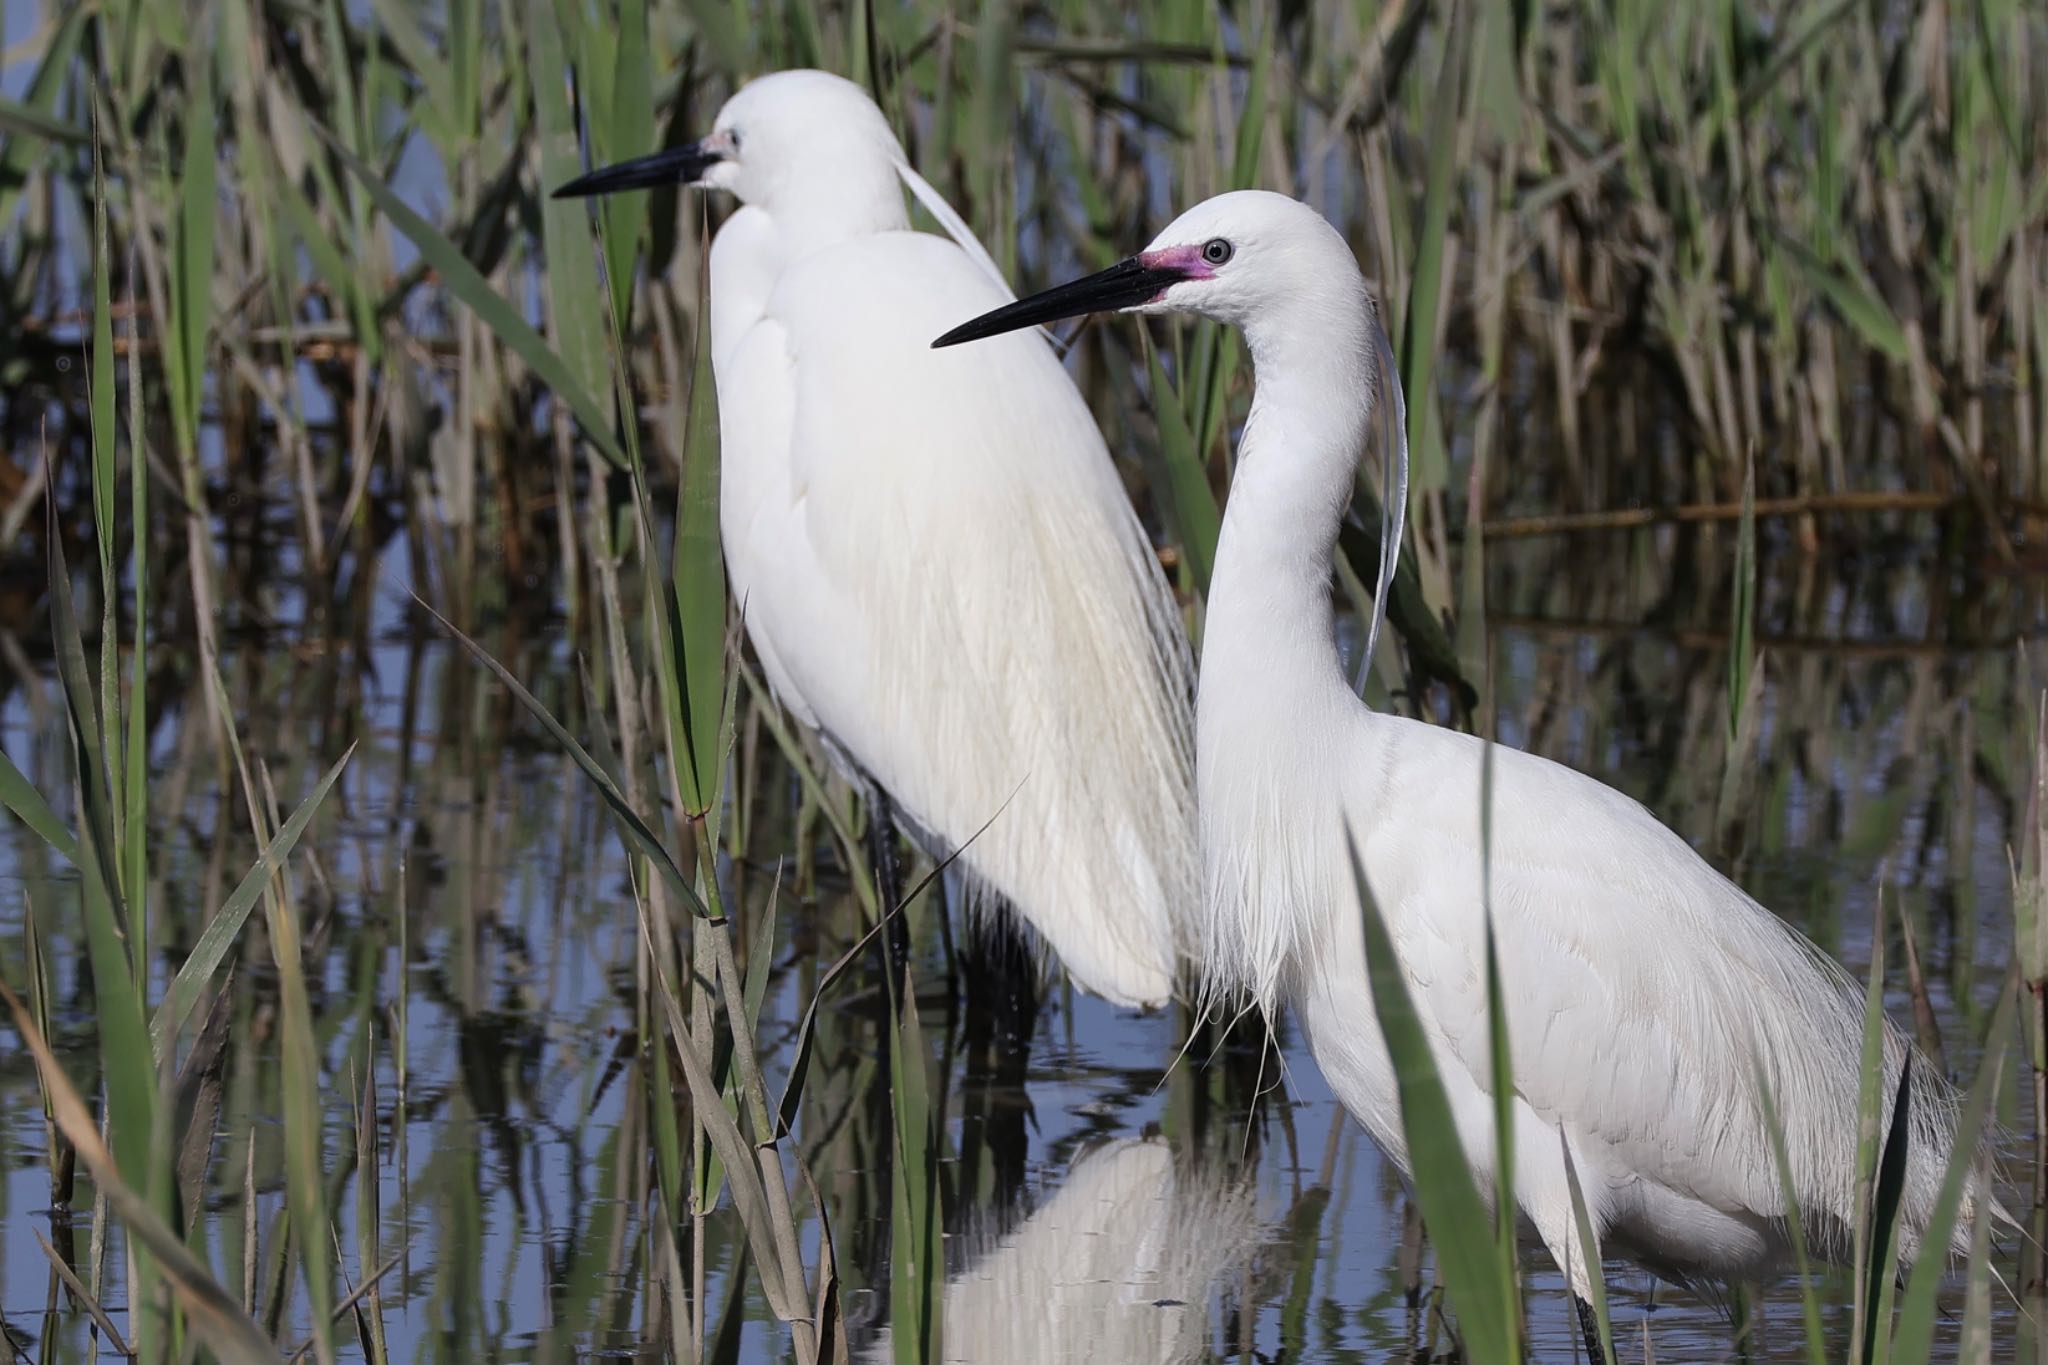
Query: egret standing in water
935,559
1644,991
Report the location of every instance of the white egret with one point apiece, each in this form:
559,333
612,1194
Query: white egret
1644,990
936,561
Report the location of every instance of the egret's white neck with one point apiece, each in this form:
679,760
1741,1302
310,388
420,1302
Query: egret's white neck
1272,699
1269,622
837,194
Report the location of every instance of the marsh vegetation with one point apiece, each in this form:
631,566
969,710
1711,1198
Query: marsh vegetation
454,954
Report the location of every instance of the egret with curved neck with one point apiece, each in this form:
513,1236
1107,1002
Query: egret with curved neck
1644,991
933,553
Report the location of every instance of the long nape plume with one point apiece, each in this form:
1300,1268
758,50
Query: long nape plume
955,226
1391,413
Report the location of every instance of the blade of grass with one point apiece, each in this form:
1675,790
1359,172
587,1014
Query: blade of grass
1505,1210
19,795
19,155
1794,1222
1196,517
635,831
1869,1102
124,1038
225,927
571,281
698,573
1891,1189
1913,1334
1451,1204
300,1075
1425,289
627,125
193,257
468,285
917,1270
1858,303
213,1313
743,1176
1589,1249
19,120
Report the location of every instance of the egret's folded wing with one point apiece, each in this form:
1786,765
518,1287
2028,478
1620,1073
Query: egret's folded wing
1642,988
968,603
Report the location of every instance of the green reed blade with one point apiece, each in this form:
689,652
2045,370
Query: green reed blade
627,130
1589,1250
302,1091
130,1079
465,47
743,1176
916,1251
1451,1204
470,288
213,1313
1800,34
224,929
25,147
193,257
326,254
398,24
1196,518
369,1210
1913,1334
1793,1219
1742,629
635,831
572,287
18,120
1975,1347
1882,1270
1869,1108
1251,121
699,571
19,795
1851,296
760,959
1425,289
1501,1071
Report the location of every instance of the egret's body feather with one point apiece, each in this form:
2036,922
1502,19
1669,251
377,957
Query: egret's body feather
936,561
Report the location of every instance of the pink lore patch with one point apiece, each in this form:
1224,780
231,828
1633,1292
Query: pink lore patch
1185,259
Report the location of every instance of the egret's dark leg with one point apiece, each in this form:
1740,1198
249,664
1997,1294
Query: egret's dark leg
1589,1324
1000,976
888,876
998,1005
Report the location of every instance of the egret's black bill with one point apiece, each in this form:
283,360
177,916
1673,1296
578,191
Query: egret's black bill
676,166
1126,284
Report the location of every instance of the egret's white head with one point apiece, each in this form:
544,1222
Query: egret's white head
793,142
1251,258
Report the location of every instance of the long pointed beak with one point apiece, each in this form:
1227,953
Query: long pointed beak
676,166
1126,284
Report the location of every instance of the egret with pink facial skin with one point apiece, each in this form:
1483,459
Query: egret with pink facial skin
1645,993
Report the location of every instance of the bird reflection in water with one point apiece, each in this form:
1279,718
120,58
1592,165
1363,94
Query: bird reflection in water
1122,1263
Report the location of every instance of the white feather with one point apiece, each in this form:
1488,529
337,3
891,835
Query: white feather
955,226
